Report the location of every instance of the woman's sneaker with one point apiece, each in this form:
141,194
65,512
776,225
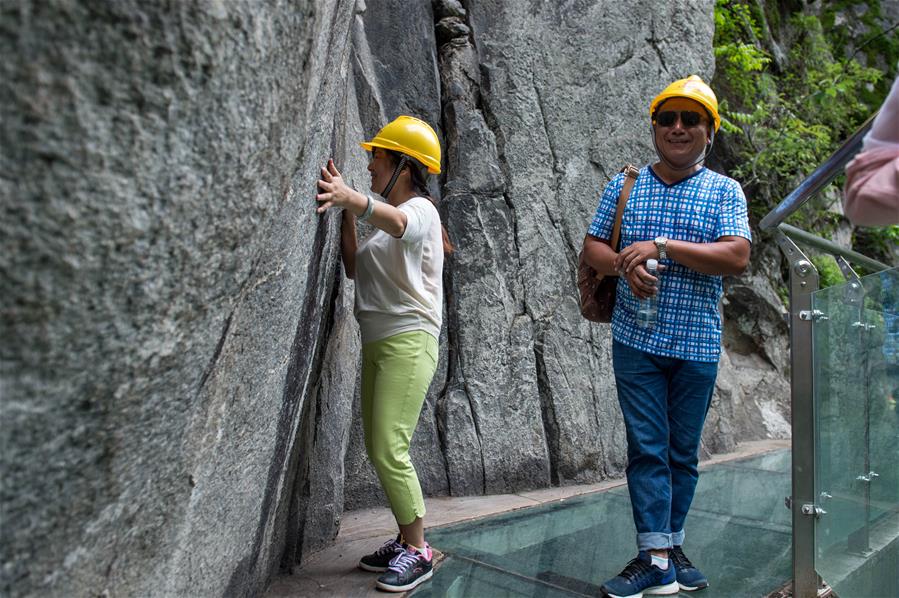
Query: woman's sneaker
407,569
689,578
641,577
379,560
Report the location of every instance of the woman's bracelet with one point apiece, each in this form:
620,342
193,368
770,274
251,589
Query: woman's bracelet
368,209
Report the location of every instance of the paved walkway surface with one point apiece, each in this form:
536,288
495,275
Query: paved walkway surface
333,571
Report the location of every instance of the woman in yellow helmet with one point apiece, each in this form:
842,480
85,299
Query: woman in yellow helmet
398,271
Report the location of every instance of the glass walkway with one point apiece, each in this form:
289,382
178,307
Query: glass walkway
738,531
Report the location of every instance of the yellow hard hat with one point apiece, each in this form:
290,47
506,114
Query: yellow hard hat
411,136
693,88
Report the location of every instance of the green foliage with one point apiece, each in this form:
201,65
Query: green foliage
879,46
733,51
784,293
877,241
829,273
786,111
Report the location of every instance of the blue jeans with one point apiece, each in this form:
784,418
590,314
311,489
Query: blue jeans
664,401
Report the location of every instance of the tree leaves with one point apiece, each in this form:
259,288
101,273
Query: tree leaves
784,120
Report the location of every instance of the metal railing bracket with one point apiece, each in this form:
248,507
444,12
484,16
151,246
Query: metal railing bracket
813,315
813,510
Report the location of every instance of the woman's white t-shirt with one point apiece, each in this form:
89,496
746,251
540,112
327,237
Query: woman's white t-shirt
399,281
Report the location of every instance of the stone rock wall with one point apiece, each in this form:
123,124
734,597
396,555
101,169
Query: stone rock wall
168,289
179,358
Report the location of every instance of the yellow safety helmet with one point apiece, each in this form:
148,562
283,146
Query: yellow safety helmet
411,136
692,88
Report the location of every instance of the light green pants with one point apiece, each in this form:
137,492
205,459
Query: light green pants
396,374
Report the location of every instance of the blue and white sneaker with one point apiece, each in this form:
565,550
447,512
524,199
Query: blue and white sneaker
689,578
641,577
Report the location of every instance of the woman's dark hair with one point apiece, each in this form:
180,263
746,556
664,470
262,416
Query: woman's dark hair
419,177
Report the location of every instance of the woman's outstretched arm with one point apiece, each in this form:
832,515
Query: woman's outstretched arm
337,194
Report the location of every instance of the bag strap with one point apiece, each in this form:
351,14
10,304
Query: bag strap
630,177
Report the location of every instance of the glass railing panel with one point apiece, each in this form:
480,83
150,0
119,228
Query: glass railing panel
882,383
857,446
839,350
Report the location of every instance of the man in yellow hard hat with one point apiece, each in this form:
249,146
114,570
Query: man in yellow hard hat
667,328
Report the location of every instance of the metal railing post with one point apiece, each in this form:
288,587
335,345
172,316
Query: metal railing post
803,282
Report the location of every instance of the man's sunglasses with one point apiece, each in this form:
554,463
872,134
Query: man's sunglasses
688,118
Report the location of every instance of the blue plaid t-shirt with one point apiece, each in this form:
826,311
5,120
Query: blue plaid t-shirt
700,209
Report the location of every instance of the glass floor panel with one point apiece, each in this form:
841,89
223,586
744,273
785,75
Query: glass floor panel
738,533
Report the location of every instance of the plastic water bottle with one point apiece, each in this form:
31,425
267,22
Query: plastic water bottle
648,309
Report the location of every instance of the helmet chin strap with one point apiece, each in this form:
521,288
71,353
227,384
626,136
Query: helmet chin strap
705,152
396,173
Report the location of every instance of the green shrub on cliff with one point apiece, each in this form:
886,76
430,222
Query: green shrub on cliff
794,81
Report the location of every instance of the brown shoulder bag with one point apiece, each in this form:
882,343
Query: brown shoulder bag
597,292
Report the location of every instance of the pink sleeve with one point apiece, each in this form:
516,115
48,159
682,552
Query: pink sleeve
871,196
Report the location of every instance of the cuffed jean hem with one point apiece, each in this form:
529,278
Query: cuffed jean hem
677,538
654,541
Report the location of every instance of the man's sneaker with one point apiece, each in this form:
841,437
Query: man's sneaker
379,560
689,578
641,577
407,569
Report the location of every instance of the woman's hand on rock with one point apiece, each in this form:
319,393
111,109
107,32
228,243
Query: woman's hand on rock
335,192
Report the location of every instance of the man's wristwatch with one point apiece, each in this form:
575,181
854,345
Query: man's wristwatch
662,246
